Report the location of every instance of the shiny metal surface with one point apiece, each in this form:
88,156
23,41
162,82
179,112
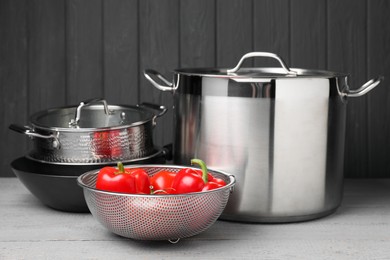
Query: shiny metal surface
248,75
286,153
94,117
365,88
262,54
156,217
282,136
96,147
29,131
124,134
74,122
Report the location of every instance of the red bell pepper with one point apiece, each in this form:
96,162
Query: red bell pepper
187,180
123,180
142,181
190,180
162,182
210,181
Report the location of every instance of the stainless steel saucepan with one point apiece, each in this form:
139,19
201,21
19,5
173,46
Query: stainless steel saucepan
92,133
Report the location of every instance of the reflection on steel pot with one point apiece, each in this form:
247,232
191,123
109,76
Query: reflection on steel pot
280,131
92,133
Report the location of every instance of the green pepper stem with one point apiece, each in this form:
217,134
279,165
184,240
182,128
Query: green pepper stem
202,165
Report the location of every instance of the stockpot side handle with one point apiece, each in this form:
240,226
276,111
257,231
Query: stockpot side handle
262,54
31,133
160,108
74,122
149,74
367,87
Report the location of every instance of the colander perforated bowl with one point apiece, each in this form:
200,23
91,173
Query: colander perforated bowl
156,217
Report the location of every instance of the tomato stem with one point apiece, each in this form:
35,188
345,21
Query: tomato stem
202,165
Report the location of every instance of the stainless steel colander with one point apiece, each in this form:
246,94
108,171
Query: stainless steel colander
156,217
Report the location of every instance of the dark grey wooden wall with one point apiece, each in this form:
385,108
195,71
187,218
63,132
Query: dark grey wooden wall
60,52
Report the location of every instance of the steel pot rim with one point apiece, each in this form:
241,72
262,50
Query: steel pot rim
31,166
61,135
155,153
149,116
248,75
266,73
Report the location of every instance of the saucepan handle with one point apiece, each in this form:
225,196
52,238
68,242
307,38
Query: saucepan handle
368,86
31,133
168,86
74,122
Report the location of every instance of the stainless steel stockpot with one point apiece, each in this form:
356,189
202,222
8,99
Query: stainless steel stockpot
280,131
92,133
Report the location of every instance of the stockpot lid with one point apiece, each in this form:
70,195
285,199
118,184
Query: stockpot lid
268,72
91,116
258,73
247,75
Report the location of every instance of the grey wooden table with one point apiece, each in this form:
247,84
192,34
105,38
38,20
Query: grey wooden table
360,229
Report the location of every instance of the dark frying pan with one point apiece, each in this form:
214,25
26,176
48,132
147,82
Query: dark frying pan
56,185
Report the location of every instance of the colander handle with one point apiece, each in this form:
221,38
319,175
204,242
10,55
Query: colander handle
232,182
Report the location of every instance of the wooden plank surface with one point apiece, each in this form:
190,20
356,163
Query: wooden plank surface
46,54
13,80
121,59
271,30
197,33
84,50
308,34
378,39
358,230
234,32
159,50
346,42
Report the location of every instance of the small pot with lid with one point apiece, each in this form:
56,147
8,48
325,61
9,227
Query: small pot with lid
92,133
